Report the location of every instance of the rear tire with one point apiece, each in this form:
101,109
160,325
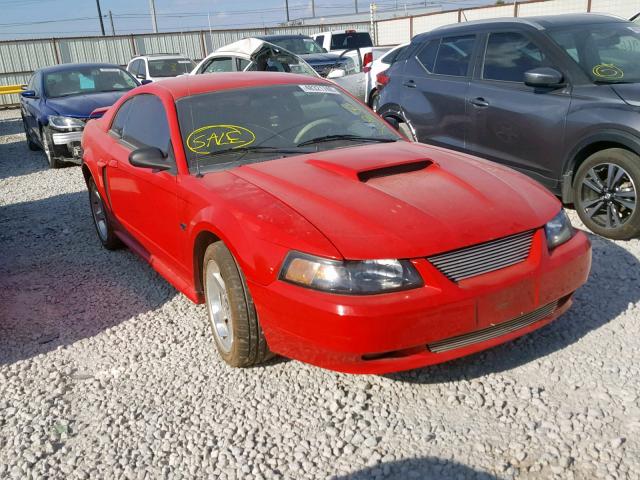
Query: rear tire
407,132
234,322
606,193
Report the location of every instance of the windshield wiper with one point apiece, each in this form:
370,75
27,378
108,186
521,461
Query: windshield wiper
355,138
256,148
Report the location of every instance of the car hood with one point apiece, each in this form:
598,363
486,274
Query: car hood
312,58
629,92
404,200
82,105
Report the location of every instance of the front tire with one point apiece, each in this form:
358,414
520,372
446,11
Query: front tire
47,148
606,193
232,314
101,219
33,146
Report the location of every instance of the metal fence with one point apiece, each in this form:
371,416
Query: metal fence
18,58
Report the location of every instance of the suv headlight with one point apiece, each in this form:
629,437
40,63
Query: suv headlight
65,123
558,230
354,277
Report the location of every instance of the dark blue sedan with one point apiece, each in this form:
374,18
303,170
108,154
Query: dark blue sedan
59,100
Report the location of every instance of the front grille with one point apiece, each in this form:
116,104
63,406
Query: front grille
484,257
493,331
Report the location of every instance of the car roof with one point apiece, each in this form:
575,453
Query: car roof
160,55
74,66
188,85
539,23
271,38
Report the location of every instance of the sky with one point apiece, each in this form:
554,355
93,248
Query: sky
55,18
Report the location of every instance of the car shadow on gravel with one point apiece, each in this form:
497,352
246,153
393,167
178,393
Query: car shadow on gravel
16,159
612,286
426,468
11,126
58,285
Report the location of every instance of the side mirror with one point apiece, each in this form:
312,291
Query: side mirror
543,77
393,122
141,76
149,157
337,73
28,94
146,82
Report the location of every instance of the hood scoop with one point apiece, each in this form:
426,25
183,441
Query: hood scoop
366,173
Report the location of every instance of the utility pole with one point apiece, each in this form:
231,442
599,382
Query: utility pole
372,12
313,8
356,2
154,20
286,6
113,29
100,17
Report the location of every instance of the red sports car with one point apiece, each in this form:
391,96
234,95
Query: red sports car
311,229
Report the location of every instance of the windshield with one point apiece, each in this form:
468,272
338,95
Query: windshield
608,53
299,46
350,40
170,67
85,80
232,127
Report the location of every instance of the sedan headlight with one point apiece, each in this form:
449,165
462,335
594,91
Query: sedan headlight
558,230
362,277
65,123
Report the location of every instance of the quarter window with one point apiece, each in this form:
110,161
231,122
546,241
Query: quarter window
509,55
146,123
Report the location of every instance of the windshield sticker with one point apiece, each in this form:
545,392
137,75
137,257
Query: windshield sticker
608,71
209,138
319,89
184,61
109,69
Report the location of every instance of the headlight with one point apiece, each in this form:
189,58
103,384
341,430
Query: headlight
363,277
65,123
558,230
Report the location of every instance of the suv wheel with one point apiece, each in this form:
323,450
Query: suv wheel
606,193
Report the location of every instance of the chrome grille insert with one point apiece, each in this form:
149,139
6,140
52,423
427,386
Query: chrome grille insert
484,257
493,331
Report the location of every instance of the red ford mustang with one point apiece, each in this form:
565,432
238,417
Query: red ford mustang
311,229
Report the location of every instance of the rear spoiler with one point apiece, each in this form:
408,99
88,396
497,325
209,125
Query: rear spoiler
99,112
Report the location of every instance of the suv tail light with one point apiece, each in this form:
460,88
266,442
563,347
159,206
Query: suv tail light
367,61
381,80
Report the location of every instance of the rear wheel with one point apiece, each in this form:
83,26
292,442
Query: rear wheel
405,129
232,314
606,193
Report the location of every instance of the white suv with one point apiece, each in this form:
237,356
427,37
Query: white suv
159,66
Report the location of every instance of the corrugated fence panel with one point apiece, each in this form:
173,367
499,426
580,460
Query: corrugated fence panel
394,32
12,79
26,56
116,50
622,8
491,12
552,7
187,43
429,22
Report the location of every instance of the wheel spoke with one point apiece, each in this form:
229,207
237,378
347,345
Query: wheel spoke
593,182
618,176
615,217
611,172
590,203
591,211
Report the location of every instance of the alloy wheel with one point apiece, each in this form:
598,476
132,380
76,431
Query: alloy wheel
219,306
608,195
98,212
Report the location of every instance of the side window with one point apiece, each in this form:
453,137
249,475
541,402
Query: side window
131,67
146,124
509,55
37,81
320,40
242,64
120,119
142,68
220,64
427,54
454,56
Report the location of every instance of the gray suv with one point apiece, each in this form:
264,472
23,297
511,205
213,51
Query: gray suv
556,97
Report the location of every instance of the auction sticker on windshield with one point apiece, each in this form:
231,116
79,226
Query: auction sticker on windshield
319,89
211,137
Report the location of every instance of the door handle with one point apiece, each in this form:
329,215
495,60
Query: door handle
101,163
409,83
479,102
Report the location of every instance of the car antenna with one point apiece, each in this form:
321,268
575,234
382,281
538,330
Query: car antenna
198,174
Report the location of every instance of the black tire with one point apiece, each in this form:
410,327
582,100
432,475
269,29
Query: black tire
33,146
101,218
605,192
47,148
245,345
374,100
405,129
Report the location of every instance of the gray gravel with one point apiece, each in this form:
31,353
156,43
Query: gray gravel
107,372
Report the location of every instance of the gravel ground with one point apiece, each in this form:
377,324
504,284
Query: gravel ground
107,372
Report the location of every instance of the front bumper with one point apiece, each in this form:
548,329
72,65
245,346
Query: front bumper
67,145
433,324
63,138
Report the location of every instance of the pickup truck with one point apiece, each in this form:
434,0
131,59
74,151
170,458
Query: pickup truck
337,41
